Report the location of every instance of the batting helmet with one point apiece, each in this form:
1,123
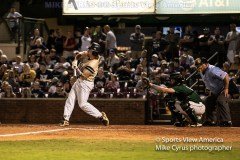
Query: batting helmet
177,77
96,48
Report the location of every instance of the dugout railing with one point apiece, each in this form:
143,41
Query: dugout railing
26,26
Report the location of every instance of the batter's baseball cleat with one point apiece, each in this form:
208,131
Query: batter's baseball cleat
104,119
64,123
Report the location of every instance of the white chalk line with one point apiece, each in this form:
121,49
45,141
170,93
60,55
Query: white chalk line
36,132
120,129
83,129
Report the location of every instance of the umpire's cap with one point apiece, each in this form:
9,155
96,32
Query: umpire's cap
200,61
96,48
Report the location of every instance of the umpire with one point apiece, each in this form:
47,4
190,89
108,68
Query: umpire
217,81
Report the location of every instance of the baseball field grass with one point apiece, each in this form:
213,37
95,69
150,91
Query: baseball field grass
72,149
84,142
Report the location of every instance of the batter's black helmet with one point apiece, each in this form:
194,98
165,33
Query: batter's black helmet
177,77
96,48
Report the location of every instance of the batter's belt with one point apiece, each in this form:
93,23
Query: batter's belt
84,78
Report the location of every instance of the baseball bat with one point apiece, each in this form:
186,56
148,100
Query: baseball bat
75,72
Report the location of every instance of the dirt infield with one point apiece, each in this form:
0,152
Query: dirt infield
125,132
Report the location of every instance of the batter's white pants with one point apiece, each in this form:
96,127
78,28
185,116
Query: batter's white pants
198,108
80,91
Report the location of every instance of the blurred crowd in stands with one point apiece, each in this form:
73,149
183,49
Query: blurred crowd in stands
47,71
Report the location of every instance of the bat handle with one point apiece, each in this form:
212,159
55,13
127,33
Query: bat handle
74,72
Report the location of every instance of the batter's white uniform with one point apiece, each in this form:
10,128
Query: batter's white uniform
80,91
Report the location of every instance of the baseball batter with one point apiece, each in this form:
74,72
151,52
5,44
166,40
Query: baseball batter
82,87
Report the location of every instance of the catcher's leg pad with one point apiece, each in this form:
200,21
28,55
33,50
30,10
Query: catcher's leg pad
191,115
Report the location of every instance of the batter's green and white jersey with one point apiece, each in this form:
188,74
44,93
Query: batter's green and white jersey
184,93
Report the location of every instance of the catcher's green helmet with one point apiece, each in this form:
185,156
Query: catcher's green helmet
177,77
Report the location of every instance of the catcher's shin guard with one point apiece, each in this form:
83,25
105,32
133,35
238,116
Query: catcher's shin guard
191,115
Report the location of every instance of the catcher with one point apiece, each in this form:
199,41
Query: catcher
187,103
82,87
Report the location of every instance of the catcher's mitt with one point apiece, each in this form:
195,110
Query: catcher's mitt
145,83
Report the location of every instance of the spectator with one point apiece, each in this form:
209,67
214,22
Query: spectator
41,57
102,62
18,65
188,39
53,56
12,80
99,37
155,62
113,83
173,39
137,74
1,53
9,92
4,60
60,93
235,67
124,72
203,43
13,18
61,66
136,41
51,39
3,70
78,36
38,47
36,35
112,61
85,40
37,92
52,89
186,60
44,76
32,62
164,67
100,80
160,46
67,87
69,45
139,85
226,67
232,39
4,86
216,44
111,41
27,76
26,79
59,42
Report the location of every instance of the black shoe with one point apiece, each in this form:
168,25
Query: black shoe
225,124
181,124
209,124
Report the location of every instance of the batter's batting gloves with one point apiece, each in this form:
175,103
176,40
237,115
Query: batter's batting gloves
74,64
